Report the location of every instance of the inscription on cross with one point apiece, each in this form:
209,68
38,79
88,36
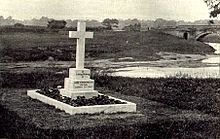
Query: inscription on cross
80,35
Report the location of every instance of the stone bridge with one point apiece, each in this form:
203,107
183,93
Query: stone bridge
196,32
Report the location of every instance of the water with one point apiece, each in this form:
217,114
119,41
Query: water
214,59
211,71
156,72
216,46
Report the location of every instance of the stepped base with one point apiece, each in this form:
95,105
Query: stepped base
74,94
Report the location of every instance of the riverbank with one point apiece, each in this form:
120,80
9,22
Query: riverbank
170,64
141,46
167,60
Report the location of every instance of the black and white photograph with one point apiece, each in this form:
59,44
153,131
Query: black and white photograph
110,69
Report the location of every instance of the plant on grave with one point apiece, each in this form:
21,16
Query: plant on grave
80,100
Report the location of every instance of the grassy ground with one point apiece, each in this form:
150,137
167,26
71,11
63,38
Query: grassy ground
22,117
189,94
139,45
184,93
167,108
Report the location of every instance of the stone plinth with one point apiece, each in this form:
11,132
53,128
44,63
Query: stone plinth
79,84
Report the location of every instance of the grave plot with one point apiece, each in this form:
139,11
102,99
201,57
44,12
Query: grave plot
117,105
79,85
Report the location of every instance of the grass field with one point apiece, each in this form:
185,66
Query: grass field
139,45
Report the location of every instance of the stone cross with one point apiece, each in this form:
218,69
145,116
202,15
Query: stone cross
81,35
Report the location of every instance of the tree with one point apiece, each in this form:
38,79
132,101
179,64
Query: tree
9,21
135,27
56,24
110,23
158,23
1,18
18,25
214,6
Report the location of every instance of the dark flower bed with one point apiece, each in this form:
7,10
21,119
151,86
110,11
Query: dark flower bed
80,100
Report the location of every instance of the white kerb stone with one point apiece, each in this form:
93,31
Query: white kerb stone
111,108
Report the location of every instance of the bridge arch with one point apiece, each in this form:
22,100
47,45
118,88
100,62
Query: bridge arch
186,35
202,35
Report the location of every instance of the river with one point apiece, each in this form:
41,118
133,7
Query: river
212,70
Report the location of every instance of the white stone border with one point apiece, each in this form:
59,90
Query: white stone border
111,108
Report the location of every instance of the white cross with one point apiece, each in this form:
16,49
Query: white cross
81,35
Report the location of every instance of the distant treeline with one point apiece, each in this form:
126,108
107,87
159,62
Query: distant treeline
43,21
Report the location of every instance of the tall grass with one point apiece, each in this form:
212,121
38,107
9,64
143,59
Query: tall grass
182,92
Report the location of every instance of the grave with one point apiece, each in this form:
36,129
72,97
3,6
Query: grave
79,83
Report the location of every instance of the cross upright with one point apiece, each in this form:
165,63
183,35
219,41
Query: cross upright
81,35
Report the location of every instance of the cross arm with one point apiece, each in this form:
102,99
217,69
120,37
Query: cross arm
80,34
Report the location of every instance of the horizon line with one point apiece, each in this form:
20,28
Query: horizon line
100,20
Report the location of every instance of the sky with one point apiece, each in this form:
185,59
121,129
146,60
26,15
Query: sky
188,10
